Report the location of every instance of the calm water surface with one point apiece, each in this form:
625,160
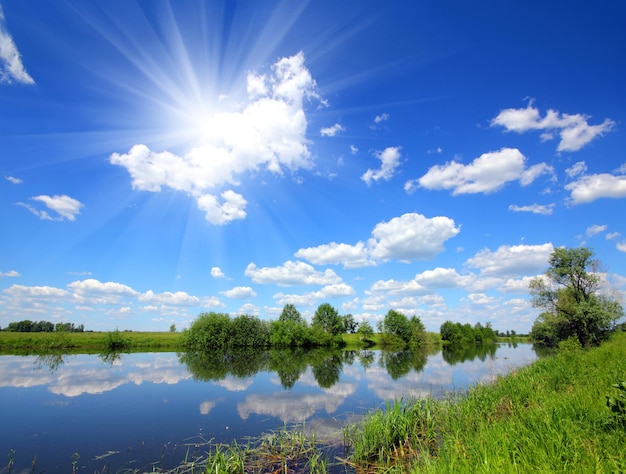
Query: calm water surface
131,410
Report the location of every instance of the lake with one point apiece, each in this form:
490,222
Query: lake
112,412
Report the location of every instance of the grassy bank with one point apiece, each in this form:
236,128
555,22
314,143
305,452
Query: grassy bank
548,417
37,342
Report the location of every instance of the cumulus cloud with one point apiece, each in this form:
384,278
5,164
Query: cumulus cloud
216,272
337,290
351,256
621,246
11,67
239,292
411,236
390,158
574,130
486,174
424,282
64,206
595,229
332,131
291,273
509,260
546,210
595,186
232,207
268,133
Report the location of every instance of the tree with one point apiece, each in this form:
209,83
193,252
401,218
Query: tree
366,331
397,324
290,313
349,324
327,318
570,291
173,328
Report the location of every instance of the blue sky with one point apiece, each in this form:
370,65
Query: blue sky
159,159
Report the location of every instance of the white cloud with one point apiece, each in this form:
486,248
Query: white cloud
9,274
486,174
390,158
337,290
351,256
29,292
65,206
353,150
267,133
11,67
424,282
381,118
291,273
591,187
332,131
595,229
408,237
411,236
576,169
546,210
216,272
612,235
516,285
97,292
13,179
232,207
512,260
621,246
239,292
574,130
178,298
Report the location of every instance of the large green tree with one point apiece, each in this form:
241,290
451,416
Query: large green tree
327,318
571,291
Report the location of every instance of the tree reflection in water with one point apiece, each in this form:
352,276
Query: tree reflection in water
458,353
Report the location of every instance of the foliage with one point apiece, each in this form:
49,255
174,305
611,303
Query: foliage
248,331
618,405
570,292
461,334
290,313
366,332
42,326
546,417
115,341
349,324
208,331
327,319
397,324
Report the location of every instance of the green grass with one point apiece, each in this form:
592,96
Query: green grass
38,342
551,416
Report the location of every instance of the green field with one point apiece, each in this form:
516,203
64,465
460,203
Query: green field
37,342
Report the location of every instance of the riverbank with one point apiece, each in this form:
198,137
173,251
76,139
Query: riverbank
87,342
551,416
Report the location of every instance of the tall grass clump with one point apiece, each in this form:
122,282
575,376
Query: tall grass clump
552,416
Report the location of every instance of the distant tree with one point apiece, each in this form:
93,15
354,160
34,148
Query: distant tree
208,331
327,318
419,337
570,290
290,313
349,324
397,324
173,328
365,331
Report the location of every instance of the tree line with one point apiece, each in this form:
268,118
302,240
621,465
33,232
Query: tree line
213,330
43,326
